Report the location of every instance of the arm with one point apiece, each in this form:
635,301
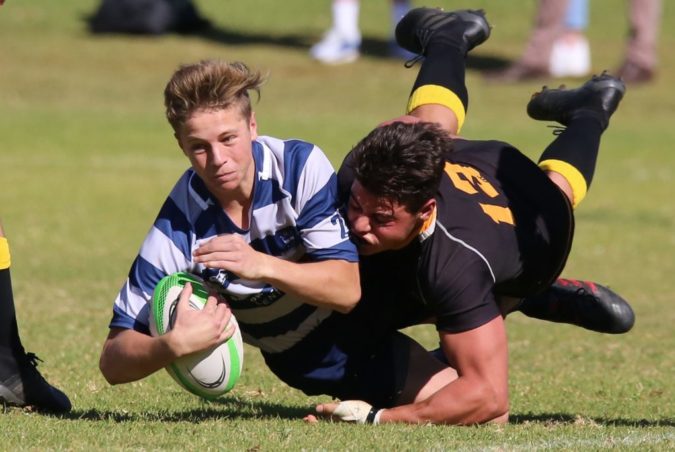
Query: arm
129,355
479,394
331,283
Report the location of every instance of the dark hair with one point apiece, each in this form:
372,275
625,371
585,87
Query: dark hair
402,162
209,85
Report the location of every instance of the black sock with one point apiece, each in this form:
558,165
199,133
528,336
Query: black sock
443,66
536,306
577,146
9,332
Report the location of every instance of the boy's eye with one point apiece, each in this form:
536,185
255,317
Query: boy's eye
380,219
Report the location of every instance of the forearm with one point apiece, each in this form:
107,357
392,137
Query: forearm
462,402
332,284
129,356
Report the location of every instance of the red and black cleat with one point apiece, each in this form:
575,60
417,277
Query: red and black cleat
582,303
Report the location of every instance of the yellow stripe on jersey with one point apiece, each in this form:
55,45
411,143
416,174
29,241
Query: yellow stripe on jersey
499,214
5,260
435,94
571,174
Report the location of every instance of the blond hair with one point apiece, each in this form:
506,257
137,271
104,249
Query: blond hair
209,85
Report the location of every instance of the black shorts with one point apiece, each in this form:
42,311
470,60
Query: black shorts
346,369
544,258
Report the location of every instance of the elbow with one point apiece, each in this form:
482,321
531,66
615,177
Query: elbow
348,286
353,295
107,371
498,413
349,301
494,407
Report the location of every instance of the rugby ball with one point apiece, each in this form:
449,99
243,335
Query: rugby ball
210,373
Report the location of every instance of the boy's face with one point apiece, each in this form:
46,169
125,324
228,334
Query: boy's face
218,144
379,224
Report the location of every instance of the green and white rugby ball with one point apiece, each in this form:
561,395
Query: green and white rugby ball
210,373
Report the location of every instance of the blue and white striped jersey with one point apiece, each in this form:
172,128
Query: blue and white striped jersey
294,216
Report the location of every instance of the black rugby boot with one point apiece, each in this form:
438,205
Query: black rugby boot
464,29
21,384
582,303
599,97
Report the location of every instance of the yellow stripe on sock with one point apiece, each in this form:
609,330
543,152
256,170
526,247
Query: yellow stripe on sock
435,94
5,260
573,176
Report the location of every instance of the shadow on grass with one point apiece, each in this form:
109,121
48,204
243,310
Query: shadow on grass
370,46
220,409
238,38
564,418
236,409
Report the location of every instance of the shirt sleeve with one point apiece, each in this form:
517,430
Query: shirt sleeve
166,249
321,224
461,294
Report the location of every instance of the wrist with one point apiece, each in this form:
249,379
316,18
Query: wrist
267,270
172,345
373,416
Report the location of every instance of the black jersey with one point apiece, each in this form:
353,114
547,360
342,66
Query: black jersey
501,228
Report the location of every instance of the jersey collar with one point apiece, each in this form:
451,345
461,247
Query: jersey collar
428,227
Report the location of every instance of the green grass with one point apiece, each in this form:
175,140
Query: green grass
86,158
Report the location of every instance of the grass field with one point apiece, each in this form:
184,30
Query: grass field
86,158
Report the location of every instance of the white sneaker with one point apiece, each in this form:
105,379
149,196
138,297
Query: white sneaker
570,57
335,49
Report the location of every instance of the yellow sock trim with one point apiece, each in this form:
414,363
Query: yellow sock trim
435,94
573,176
5,260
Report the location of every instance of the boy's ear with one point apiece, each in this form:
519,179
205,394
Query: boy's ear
253,126
427,209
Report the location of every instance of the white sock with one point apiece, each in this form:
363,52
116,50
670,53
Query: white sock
346,19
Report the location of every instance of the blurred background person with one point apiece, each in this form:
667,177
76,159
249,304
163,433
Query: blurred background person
558,47
341,44
641,55
571,52
151,17
549,26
